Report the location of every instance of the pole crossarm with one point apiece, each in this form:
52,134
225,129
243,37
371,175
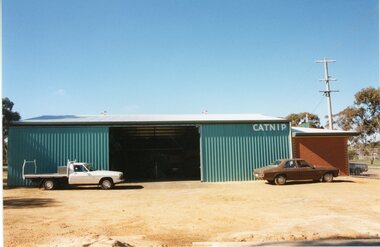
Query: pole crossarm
331,91
324,61
330,79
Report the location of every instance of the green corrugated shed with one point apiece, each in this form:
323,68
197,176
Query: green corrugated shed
230,152
53,146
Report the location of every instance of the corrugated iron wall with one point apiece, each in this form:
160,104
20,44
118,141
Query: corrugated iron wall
230,152
53,146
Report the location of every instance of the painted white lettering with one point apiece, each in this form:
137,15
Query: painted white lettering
269,127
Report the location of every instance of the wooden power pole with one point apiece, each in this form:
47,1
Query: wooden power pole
328,91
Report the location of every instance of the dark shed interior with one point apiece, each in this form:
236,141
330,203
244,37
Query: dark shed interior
155,153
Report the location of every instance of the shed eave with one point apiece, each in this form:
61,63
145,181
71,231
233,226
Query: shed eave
325,134
302,131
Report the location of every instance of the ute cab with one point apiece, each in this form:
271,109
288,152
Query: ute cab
83,173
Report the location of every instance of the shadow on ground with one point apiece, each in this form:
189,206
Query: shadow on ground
367,175
14,203
323,242
117,187
312,182
85,187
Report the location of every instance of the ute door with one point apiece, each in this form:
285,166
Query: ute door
290,170
80,175
94,177
307,171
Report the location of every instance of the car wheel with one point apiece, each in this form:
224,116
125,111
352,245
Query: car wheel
49,184
328,177
280,180
106,184
357,171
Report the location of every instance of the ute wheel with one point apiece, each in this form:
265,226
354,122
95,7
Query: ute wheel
49,184
106,184
357,171
280,180
328,177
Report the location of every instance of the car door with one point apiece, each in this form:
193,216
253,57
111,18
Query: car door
306,171
80,175
291,170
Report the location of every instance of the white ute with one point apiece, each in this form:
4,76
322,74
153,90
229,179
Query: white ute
75,173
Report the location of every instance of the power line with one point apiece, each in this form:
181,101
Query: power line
328,92
315,108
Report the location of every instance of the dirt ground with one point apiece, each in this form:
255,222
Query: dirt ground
179,213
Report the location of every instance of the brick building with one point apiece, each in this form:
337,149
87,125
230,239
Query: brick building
322,147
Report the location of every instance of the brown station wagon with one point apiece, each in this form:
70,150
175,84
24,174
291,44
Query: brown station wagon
295,169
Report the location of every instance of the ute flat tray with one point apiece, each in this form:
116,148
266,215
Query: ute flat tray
45,175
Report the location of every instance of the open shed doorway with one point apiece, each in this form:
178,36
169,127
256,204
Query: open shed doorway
155,153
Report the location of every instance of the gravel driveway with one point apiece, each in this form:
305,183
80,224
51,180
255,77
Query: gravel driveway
180,213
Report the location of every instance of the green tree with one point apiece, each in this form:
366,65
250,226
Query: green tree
8,116
299,118
363,116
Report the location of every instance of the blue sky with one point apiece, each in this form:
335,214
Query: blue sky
186,56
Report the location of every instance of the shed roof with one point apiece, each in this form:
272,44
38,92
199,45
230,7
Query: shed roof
146,119
300,131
